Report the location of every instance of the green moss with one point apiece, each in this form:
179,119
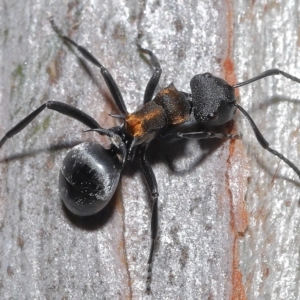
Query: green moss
46,123
18,72
5,35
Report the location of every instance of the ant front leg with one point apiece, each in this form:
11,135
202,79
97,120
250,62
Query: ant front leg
201,135
152,84
152,184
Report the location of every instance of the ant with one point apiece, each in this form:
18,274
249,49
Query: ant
90,173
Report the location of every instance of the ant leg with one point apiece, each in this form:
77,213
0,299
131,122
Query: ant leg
60,107
201,135
151,181
110,82
152,84
266,74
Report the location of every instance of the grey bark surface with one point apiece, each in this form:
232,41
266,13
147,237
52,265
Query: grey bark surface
267,36
46,253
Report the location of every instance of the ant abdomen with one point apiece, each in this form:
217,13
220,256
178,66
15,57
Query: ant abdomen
88,178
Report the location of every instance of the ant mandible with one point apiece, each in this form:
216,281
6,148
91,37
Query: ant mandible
90,173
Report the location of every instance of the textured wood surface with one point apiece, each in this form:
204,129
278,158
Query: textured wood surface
204,250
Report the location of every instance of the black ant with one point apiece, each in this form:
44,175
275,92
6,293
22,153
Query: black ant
90,173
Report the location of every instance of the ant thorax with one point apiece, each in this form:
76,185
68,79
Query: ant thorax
169,107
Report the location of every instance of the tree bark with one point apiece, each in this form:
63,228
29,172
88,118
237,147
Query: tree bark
206,248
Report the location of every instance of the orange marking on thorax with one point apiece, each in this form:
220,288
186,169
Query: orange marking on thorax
134,125
136,122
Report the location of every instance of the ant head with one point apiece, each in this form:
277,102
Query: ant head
213,99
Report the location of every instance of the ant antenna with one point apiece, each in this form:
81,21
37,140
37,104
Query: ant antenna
257,133
263,141
270,72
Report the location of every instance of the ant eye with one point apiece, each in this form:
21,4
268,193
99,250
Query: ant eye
207,75
213,116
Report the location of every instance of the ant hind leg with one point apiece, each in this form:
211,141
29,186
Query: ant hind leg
60,107
152,184
110,82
